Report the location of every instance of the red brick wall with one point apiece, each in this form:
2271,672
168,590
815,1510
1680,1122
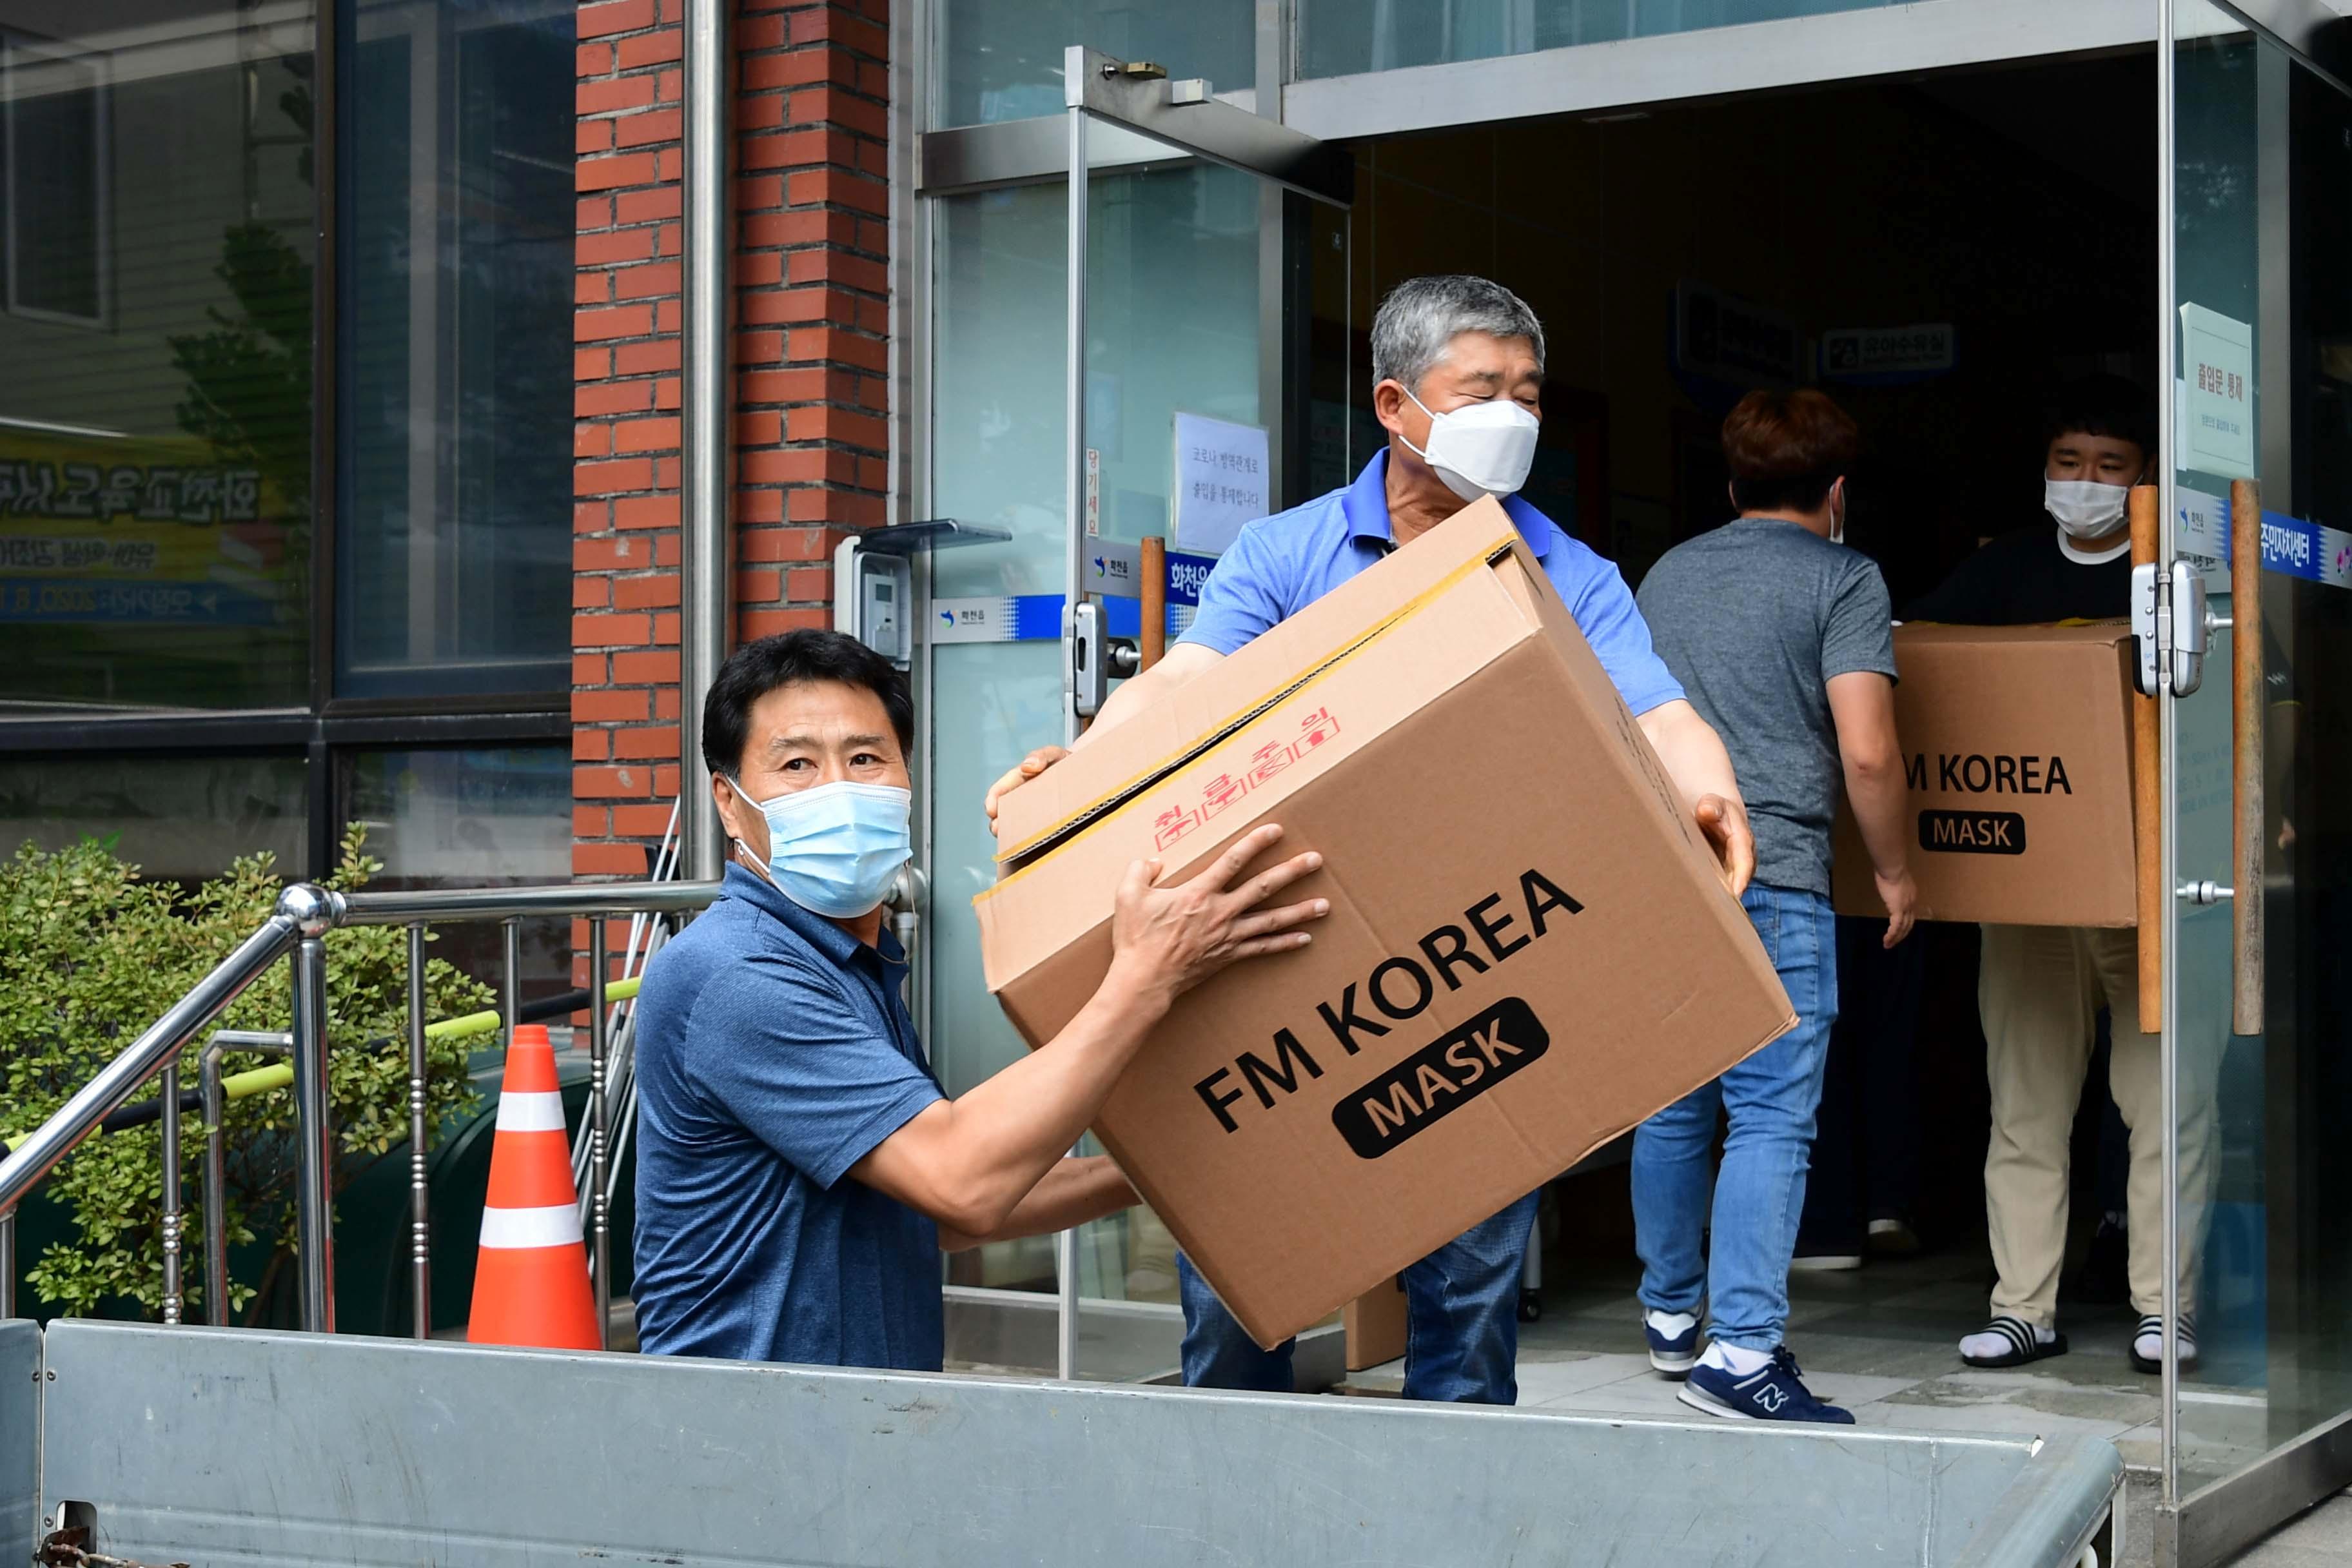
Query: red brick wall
811,271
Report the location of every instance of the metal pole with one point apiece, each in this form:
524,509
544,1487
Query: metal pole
172,1284
704,558
8,1265
1074,581
598,1125
420,1192
1074,476
1275,320
53,1140
2167,287
511,984
216,1190
314,1195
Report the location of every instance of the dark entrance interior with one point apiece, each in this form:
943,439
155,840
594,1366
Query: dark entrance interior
1987,235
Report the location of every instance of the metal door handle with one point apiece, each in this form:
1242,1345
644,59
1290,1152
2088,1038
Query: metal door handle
2173,631
2246,747
2147,762
1087,675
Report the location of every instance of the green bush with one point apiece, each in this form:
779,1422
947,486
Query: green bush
91,955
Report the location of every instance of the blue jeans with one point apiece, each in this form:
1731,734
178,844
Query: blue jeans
1461,1322
1761,1191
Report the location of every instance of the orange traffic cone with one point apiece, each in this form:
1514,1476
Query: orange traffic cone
530,1285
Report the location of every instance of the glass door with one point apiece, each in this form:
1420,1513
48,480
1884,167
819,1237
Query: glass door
2256,736
1174,257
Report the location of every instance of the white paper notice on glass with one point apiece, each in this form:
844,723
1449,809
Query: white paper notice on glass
1222,482
2217,394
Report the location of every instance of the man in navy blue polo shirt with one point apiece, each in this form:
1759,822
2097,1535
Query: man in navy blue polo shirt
1458,364
799,1169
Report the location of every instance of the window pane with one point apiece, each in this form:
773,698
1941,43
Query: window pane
1001,59
56,122
466,819
1341,37
155,418
473,819
454,551
179,819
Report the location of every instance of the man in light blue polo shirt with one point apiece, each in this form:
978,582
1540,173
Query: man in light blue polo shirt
1458,364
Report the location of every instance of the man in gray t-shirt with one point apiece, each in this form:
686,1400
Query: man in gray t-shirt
1782,639
1757,619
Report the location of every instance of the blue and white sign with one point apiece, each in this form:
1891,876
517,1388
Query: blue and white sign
1187,576
1035,617
2291,546
90,600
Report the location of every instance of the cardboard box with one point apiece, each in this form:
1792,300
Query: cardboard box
1529,948
1375,1324
2017,750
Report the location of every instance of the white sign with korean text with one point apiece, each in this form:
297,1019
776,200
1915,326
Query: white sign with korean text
1864,353
2216,387
1222,482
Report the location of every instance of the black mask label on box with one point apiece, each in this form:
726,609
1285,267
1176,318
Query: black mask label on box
1440,1079
1401,987
1972,832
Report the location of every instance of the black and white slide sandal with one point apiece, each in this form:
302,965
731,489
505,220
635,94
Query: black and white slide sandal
2020,1344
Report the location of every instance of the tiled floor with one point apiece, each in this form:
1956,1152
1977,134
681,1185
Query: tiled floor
1882,1342
1879,1341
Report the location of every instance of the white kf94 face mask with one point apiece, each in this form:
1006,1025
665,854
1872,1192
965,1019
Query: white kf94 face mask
1480,449
2085,509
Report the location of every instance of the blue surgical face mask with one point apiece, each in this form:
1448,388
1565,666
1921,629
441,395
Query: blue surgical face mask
835,848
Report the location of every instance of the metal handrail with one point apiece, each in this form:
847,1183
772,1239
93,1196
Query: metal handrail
457,906
296,930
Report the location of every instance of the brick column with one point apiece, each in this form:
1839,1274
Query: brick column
811,386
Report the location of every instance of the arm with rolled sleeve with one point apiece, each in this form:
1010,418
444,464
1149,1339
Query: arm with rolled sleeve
1859,675
1243,599
783,1054
1605,613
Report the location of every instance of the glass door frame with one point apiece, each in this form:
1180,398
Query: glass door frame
1116,116
2221,1517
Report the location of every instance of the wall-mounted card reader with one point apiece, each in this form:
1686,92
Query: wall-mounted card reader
881,588
873,581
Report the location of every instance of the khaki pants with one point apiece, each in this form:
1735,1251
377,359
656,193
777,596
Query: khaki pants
2040,990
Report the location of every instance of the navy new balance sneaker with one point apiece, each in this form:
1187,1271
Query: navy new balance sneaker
1774,1392
1673,1355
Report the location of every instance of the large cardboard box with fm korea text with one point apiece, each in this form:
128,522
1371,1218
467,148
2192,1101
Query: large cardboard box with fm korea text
1529,948
2017,761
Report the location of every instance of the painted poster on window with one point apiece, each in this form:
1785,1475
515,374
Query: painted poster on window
152,531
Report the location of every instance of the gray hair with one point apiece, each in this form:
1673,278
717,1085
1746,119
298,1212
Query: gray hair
1421,316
